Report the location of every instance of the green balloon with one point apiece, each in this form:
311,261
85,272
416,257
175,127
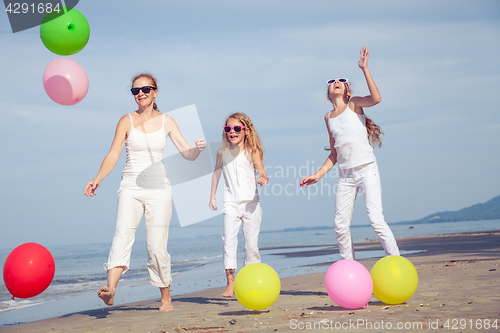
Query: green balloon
65,33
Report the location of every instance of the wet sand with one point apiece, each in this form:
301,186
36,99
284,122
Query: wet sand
459,279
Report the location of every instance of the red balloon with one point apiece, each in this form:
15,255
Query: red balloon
28,270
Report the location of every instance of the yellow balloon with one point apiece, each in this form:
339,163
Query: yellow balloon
257,286
395,279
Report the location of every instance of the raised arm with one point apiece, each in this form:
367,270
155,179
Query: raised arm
188,152
109,162
374,97
329,163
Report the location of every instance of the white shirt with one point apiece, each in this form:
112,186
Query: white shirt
348,129
239,178
145,151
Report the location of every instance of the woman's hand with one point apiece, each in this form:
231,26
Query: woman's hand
309,180
200,144
188,152
91,188
363,63
112,157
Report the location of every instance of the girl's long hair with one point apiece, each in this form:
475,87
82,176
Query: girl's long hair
374,131
252,140
153,80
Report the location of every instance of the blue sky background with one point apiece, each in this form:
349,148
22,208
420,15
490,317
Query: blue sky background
435,64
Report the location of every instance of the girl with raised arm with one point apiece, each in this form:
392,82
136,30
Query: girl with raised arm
351,136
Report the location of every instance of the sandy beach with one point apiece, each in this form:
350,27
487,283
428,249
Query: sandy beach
459,277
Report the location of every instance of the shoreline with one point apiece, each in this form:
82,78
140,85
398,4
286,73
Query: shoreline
457,274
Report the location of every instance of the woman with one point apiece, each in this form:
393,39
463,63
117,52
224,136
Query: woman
144,133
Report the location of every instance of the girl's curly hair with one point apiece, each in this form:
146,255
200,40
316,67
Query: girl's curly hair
252,139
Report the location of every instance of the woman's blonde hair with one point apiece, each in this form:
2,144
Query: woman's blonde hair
252,140
374,131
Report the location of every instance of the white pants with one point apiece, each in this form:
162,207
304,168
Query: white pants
133,202
367,179
236,213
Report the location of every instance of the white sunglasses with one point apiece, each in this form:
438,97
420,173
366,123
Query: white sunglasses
338,80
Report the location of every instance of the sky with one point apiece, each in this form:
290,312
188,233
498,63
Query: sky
435,64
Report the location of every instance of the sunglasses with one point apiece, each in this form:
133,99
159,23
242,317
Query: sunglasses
338,80
237,129
145,89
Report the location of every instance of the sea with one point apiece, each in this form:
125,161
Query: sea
196,265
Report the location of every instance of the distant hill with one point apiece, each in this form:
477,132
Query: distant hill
489,210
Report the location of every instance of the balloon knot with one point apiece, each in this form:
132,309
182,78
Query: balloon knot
12,297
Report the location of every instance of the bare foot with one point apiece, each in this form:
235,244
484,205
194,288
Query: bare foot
229,291
166,305
230,283
166,300
106,295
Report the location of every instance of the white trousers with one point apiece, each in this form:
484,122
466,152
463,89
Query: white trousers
365,178
156,204
235,214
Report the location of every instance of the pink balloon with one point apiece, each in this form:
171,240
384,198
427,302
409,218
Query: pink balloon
65,81
349,284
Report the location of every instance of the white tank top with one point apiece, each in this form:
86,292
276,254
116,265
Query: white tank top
239,178
348,129
144,150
